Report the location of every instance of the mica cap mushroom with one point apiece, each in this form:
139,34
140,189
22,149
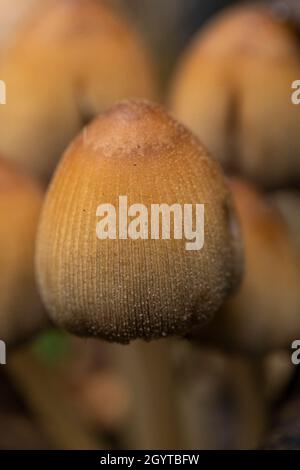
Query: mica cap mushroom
73,59
233,88
21,311
129,287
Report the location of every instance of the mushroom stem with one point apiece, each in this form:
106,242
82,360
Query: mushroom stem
47,401
154,418
248,394
220,399
284,433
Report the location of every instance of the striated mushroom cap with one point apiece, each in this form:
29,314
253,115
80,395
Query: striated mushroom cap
74,59
122,289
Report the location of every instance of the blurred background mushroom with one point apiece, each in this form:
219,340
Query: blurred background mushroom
72,60
14,14
264,314
219,398
233,89
21,311
258,324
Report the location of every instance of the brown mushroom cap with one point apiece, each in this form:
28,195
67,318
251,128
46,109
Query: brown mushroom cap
264,314
124,289
21,311
73,60
233,89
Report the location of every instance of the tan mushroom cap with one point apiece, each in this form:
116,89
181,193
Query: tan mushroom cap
13,15
74,59
126,289
264,314
21,311
233,88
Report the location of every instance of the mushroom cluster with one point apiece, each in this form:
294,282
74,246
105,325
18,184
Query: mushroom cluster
234,89
173,233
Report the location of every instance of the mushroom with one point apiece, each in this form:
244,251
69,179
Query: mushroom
13,15
21,311
122,289
135,286
233,87
264,315
73,59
